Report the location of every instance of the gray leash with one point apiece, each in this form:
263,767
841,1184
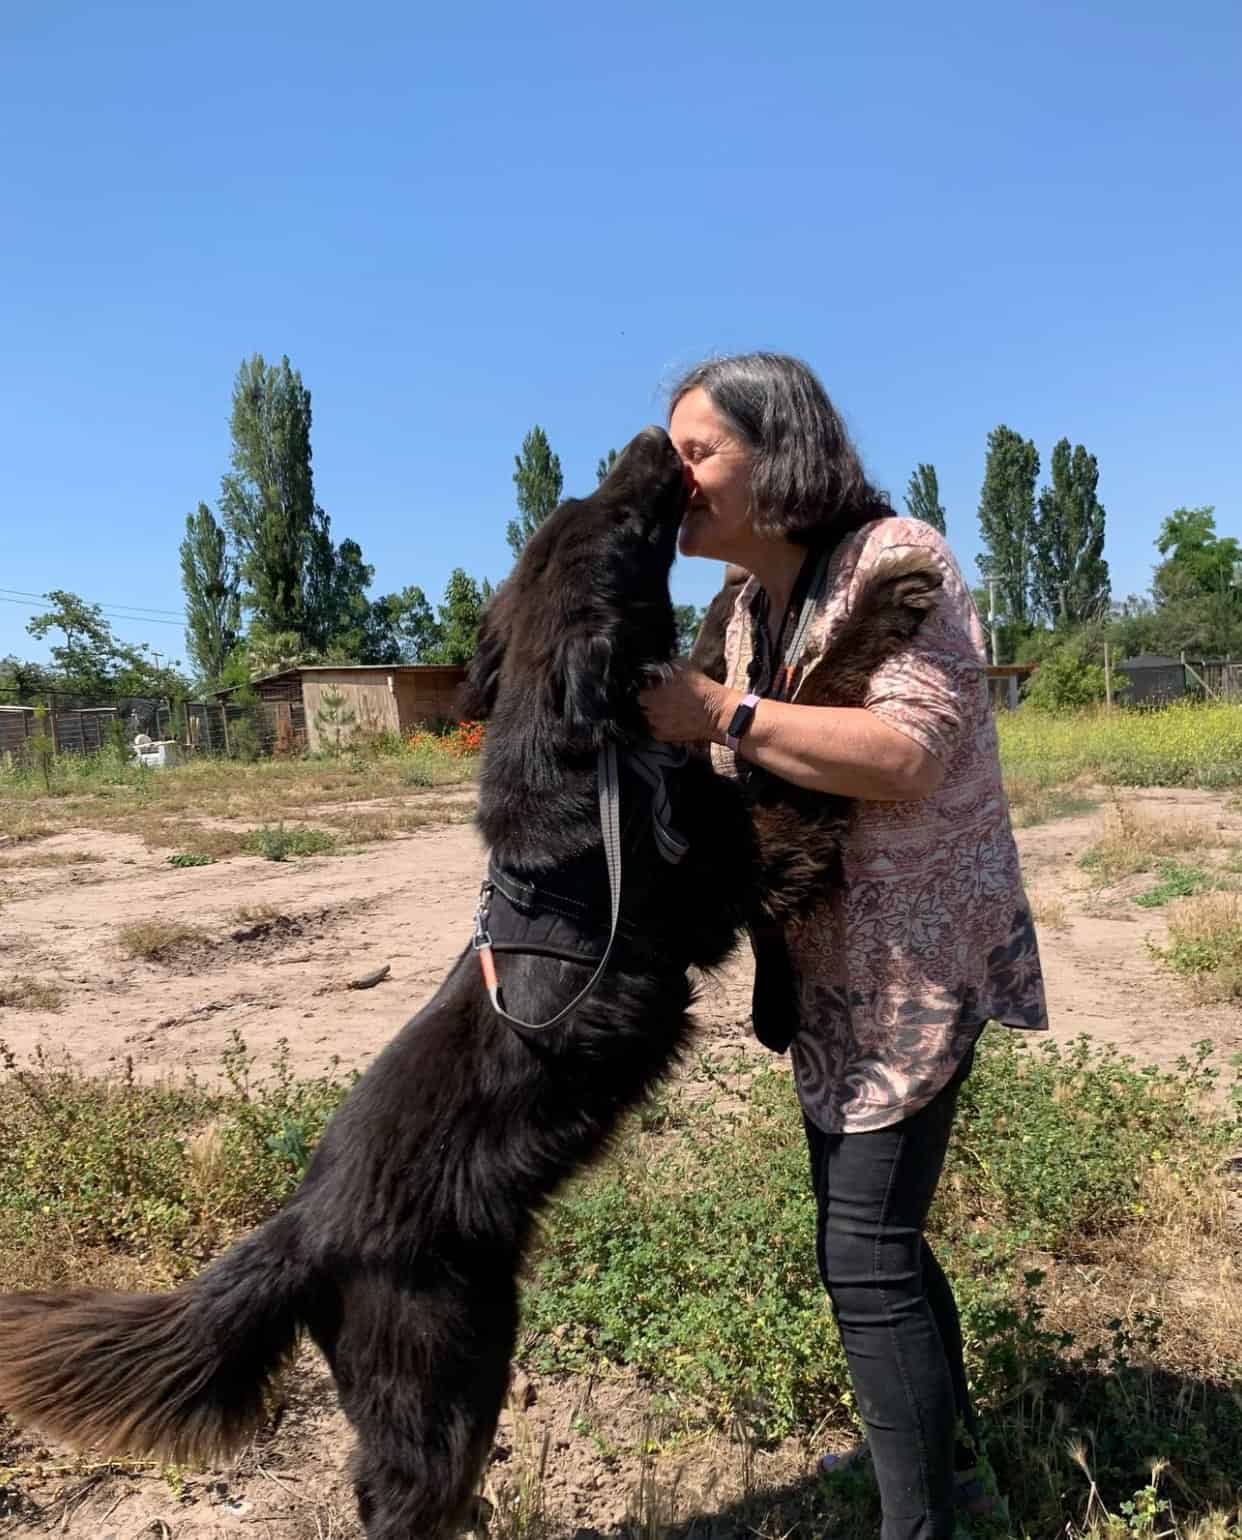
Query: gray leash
651,764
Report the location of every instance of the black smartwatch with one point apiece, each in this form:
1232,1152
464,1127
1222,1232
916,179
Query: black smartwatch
742,718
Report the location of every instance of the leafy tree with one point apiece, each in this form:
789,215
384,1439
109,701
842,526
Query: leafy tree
688,620
458,621
90,663
403,627
1007,517
537,477
268,499
604,465
344,612
212,600
269,652
1069,576
1195,554
25,684
923,497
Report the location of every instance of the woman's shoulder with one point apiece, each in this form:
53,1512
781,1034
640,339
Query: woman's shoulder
867,552
871,545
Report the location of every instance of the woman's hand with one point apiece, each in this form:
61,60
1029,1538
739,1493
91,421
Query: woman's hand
686,708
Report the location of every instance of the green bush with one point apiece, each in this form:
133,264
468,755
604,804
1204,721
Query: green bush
1066,680
278,843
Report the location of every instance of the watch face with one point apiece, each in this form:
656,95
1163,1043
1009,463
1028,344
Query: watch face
741,721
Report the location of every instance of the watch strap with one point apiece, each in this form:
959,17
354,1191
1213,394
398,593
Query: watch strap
741,721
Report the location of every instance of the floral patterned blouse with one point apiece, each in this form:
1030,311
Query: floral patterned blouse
931,934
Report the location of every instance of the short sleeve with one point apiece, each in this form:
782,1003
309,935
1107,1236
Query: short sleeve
932,689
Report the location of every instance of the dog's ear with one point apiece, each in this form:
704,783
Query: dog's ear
583,684
477,695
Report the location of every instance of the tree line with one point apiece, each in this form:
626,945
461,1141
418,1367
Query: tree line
267,585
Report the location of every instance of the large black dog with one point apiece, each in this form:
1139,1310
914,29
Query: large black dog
400,1252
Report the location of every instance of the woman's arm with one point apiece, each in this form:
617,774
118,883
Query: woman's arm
846,750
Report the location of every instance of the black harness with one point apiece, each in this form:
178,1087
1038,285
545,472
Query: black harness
574,913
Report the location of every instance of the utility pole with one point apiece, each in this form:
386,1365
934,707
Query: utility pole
992,582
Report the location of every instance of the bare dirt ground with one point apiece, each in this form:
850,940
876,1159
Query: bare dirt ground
407,903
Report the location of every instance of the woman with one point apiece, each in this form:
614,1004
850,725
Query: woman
929,936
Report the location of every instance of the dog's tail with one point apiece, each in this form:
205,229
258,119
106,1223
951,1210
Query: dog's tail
179,1375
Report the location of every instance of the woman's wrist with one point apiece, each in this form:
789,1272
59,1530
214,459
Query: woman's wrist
722,707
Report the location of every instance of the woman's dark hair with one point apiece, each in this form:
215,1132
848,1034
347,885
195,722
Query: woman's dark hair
807,483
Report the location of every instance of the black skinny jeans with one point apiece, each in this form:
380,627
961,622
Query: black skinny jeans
894,1307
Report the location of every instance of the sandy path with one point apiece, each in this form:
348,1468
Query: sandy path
408,902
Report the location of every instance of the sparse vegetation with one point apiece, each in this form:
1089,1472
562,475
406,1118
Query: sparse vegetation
1175,882
278,843
155,940
24,992
1205,943
1083,1216
32,859
1135,841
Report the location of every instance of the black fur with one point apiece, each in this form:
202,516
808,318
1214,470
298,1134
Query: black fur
400,1251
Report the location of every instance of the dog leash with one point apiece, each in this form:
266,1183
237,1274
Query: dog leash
651,764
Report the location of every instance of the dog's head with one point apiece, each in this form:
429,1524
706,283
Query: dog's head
566,641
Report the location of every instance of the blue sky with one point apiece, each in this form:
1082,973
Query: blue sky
463,220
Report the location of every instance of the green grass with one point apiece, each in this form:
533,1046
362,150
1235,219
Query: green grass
688,1258
278,843
164,1174
1175,882
1183,745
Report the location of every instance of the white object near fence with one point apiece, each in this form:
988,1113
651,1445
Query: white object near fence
163,754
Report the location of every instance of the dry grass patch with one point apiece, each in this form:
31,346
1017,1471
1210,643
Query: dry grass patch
1135,840
24,992
194,838
51,858
1032,802
21,823
1049,912
255,914
154,940
1205,944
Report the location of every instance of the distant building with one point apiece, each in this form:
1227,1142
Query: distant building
362,698
1153,679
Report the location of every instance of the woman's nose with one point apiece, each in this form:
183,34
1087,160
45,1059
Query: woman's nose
687,475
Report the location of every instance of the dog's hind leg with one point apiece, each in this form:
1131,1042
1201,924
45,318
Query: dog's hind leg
422,1370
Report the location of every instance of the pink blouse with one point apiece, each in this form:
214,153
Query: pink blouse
931,935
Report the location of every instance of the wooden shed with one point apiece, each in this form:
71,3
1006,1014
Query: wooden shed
1154,680
324,705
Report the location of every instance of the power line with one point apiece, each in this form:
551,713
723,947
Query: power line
146,620
103,604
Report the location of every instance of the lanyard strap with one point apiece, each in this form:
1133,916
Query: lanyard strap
807,594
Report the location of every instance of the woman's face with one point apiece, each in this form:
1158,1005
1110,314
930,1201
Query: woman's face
717,521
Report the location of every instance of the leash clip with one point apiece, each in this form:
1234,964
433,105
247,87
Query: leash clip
481,941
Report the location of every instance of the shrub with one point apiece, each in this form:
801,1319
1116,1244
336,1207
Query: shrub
278,843
1066,680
